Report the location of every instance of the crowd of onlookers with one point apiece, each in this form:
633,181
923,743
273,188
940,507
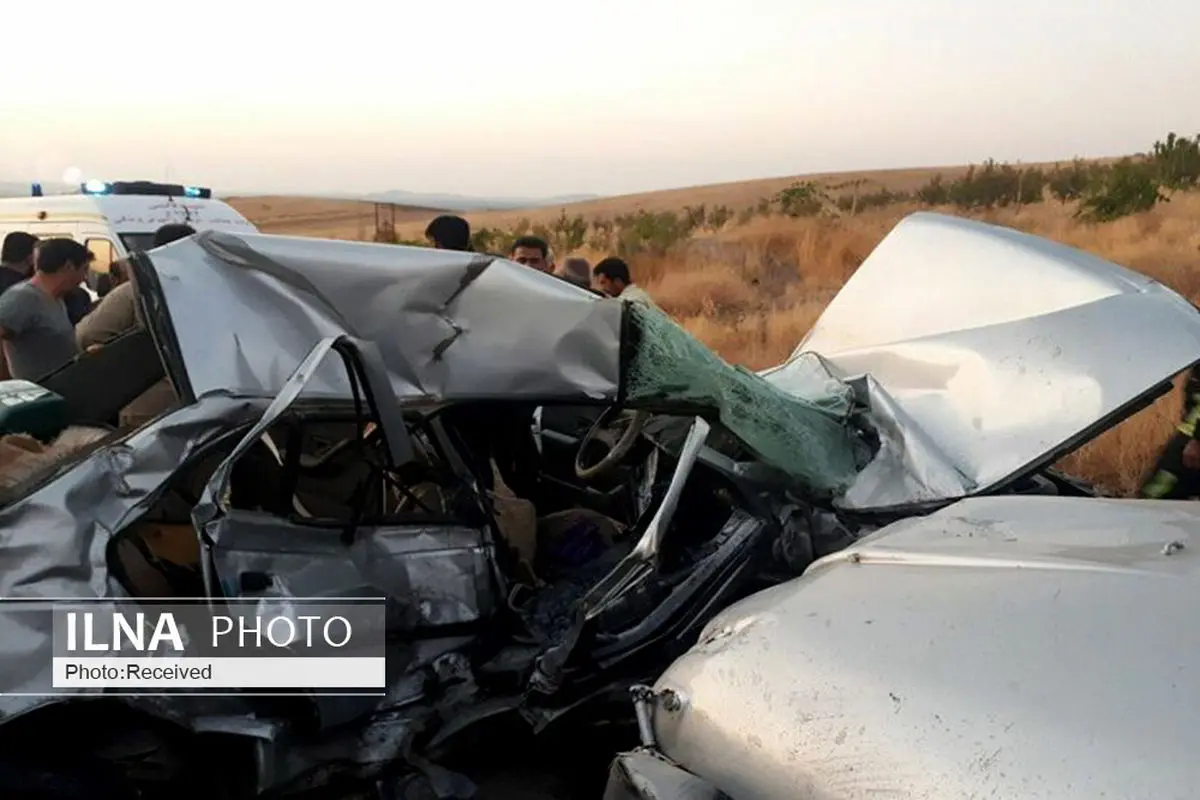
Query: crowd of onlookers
610,277
48,317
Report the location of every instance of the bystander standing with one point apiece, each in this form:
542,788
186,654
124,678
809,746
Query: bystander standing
36,330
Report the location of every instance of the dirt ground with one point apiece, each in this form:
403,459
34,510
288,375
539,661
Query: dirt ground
510,763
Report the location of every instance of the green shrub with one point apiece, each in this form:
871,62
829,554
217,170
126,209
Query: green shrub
936,192
601,235
695,217
1128,187
484,240
1177,162
802,199
718,218
1071,182
568,233
994,185
649,232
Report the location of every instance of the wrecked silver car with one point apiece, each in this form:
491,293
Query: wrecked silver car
1032,647
557,493
1000,646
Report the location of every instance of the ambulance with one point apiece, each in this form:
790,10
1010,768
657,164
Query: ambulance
115,218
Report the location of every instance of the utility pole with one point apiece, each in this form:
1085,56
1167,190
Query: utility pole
1020,184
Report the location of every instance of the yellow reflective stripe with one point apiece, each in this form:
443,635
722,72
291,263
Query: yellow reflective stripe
55,216
1160,485
1188,426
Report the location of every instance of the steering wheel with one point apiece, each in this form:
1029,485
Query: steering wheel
605,429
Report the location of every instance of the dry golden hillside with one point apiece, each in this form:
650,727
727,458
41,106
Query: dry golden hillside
348,219
752,291
329,219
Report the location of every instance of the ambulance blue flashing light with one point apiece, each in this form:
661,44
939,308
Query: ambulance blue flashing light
145,188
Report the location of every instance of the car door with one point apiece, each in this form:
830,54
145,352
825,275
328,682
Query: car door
104,253
437,571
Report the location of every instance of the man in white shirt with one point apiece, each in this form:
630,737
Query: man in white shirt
612,277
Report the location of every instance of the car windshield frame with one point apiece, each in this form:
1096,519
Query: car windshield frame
134,242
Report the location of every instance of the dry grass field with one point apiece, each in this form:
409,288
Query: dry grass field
752,291
328,219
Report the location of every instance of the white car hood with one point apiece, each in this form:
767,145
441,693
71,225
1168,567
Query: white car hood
1032,647
984,352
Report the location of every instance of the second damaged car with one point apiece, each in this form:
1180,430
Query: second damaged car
555,493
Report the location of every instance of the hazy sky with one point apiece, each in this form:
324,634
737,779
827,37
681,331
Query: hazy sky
532,97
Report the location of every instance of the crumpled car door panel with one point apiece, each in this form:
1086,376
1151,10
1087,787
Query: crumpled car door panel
439,574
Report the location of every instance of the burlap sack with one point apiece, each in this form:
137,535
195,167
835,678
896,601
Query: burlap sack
22,456
518,523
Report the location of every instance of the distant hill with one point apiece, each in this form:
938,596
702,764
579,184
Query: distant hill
458,202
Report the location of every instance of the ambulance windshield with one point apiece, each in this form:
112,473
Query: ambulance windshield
137,241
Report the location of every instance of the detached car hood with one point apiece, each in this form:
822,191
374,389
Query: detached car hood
984,353
1001,647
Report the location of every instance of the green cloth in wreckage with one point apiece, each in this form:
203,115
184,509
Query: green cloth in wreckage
808,438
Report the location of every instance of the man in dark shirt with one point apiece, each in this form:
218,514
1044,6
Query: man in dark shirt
38,338
449,232
79,304
16,259
20,268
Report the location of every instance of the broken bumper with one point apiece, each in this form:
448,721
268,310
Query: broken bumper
646,775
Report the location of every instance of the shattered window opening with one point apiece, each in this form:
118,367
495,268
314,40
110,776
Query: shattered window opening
808,435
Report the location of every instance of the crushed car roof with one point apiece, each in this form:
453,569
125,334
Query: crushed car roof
246,309
240,312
